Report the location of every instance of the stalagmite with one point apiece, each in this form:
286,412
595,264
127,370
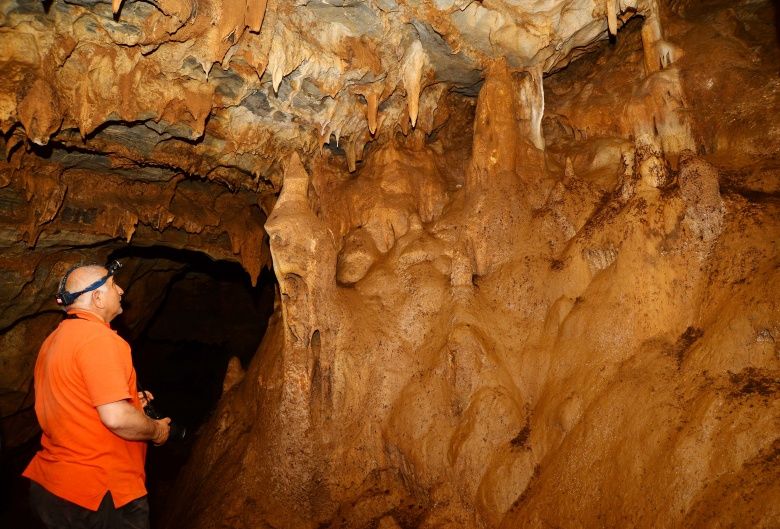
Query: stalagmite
305,265
669,125
233,375
496,134
705,209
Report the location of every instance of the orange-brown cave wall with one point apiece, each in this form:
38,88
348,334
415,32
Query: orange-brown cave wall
583,335
551,303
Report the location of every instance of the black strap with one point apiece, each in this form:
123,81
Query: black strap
66,298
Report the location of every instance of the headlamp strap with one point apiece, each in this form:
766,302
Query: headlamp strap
66,298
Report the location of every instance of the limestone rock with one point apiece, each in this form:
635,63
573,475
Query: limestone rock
356,258
525,252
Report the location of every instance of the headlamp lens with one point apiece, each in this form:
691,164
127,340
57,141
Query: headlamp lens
113,267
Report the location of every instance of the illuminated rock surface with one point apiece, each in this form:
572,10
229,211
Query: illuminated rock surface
527,271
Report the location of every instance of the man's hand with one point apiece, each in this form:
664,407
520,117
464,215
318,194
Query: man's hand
163,430
145,397
130,423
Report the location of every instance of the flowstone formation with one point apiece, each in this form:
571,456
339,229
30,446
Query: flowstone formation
166,123
526,252
581,336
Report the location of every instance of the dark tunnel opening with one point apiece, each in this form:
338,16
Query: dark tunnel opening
186,316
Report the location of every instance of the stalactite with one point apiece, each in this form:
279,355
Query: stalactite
255,14
612,16
537,108
372,100
532,98
371,93
276,61
349,149
39,112
414,66
658,52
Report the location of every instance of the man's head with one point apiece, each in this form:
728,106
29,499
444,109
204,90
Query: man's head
92,288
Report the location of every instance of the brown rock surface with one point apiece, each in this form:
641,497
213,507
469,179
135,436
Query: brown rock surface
527,272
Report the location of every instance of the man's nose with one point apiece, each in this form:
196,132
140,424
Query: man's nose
121,291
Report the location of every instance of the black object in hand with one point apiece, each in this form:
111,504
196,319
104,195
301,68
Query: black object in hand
177,433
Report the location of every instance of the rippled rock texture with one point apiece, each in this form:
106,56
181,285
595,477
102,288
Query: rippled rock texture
249,80
515,289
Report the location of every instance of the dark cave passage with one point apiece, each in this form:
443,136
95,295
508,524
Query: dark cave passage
185,317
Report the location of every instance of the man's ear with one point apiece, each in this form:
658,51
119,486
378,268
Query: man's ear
97,299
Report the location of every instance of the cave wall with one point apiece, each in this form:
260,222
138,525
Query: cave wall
55,213
526,278
582,336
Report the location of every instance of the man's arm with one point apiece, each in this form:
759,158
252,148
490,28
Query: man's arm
129,423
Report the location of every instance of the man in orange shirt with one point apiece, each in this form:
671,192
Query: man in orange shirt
90,469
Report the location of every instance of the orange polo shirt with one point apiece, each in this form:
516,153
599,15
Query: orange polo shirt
81,365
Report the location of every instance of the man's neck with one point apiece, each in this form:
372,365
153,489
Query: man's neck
94,312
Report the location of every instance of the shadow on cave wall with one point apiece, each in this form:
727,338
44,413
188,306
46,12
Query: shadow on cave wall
185,317
776,4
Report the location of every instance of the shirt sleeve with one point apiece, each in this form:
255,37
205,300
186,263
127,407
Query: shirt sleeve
106,369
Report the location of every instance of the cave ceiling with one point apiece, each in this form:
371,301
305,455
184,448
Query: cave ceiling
225,90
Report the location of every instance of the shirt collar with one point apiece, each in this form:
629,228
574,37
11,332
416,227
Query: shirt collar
87,315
